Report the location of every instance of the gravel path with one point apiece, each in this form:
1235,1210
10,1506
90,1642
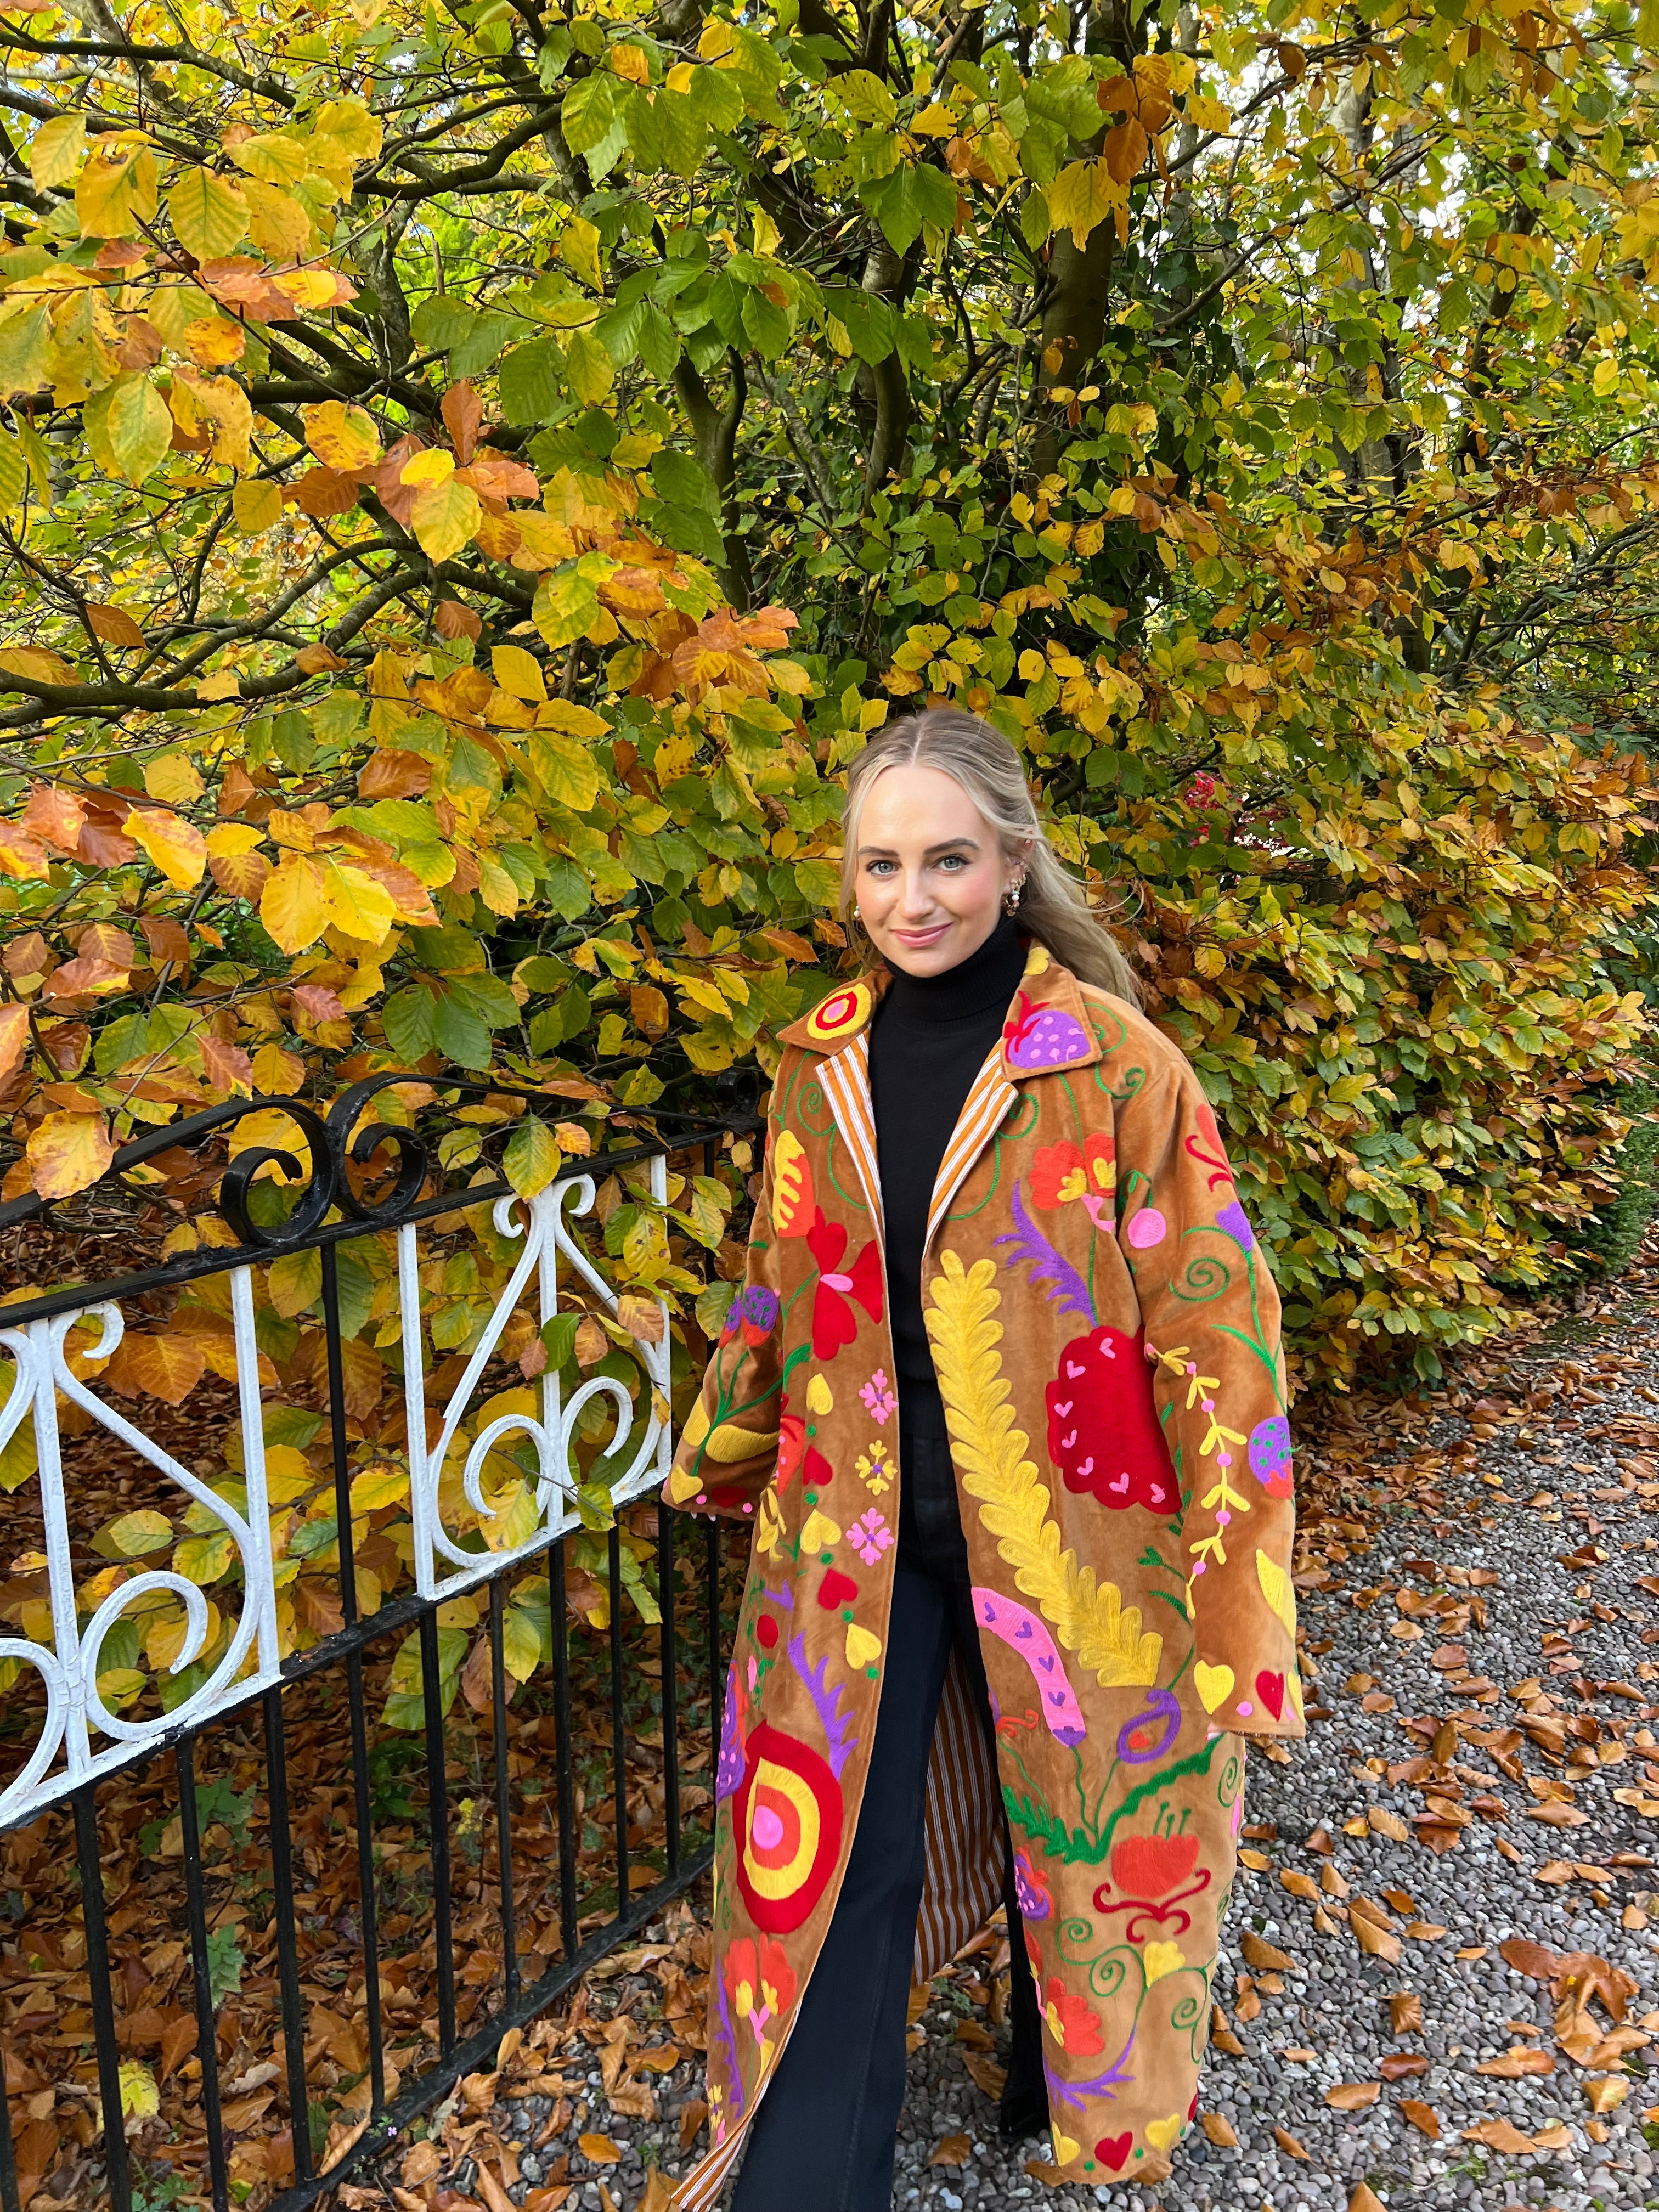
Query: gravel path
1455,1871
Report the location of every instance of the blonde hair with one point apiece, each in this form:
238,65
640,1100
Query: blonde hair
1052,907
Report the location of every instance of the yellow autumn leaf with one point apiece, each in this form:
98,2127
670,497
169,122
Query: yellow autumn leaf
292,906
1080,199
140,2097
358,907
116,190
55,151
177,846
210,214
341,437
173,778
518,672
432,467
256,507
445,517
228,839
578,249
276,223
68,1153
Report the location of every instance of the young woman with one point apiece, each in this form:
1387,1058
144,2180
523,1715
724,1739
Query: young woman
1002,1399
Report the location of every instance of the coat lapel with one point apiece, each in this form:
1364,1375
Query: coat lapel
845,1076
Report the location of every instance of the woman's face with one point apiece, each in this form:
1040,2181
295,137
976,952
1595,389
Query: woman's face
931,872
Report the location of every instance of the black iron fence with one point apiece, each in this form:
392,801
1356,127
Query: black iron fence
358,1694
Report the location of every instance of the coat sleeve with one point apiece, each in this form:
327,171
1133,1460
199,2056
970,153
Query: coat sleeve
728,1450
1210,1310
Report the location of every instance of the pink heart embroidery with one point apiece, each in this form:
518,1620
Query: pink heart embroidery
1068,1442
1062,1410
1072,1368
1118,1487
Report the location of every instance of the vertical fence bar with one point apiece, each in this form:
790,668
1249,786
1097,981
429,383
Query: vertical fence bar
564,1761
618,1718
503,1795
437,1788
368,1900
103,1998
207,2038
670,1703
287,1945
8,2201
367,1914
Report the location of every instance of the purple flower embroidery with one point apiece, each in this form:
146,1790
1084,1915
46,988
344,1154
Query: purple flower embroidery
1038,1037
729,1771
1030,1890
870,1537
1233,1220
1150,1733
755,1311
1270,1455
878,1395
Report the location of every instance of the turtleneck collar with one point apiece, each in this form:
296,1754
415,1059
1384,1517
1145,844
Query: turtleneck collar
985,982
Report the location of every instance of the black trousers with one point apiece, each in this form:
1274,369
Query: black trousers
823,2138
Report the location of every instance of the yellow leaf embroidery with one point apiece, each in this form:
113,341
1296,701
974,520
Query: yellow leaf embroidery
1276,1588
1090,1619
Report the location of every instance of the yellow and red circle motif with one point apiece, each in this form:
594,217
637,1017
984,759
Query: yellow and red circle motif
839,1014
787,1818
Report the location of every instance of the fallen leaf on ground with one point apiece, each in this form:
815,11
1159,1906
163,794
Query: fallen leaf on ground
1364,2199
954,2150
1606,2093
692,2116
1396,2065
1288,2143
1219,2129
1405,2012
1352,2096
1422,2116
1514,2063
1260,1953
986,2075
600,2149
1499,2135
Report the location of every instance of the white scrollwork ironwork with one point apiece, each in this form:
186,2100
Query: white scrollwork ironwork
547,1241
69,1668
79,1736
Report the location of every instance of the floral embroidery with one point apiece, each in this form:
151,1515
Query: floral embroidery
1104,1432
1150,1733
761,1985
793,1206
833,1322
755,1311
1073,2024
1036,1038
1270,1455
870,1536
1062,1173
1236,1222
875,1467
878,1395
1030,1889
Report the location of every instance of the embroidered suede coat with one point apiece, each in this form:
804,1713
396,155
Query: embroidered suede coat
1105,1333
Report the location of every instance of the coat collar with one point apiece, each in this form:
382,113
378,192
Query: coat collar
1048,1028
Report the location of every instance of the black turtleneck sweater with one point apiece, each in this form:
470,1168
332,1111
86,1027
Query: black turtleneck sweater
928,1042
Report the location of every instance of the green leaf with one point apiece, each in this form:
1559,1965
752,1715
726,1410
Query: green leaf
459,1034
559,1335
129,428
532,382
589,111
409,1016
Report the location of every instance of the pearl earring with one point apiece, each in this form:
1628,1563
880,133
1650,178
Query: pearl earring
1010,896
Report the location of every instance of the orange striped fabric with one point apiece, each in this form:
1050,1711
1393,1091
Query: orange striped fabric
845,1076
964,1833
987,1104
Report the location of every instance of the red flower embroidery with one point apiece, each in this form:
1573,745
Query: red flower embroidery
1060,1172
794,1451
833,1321
1104,1432
1071,2023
